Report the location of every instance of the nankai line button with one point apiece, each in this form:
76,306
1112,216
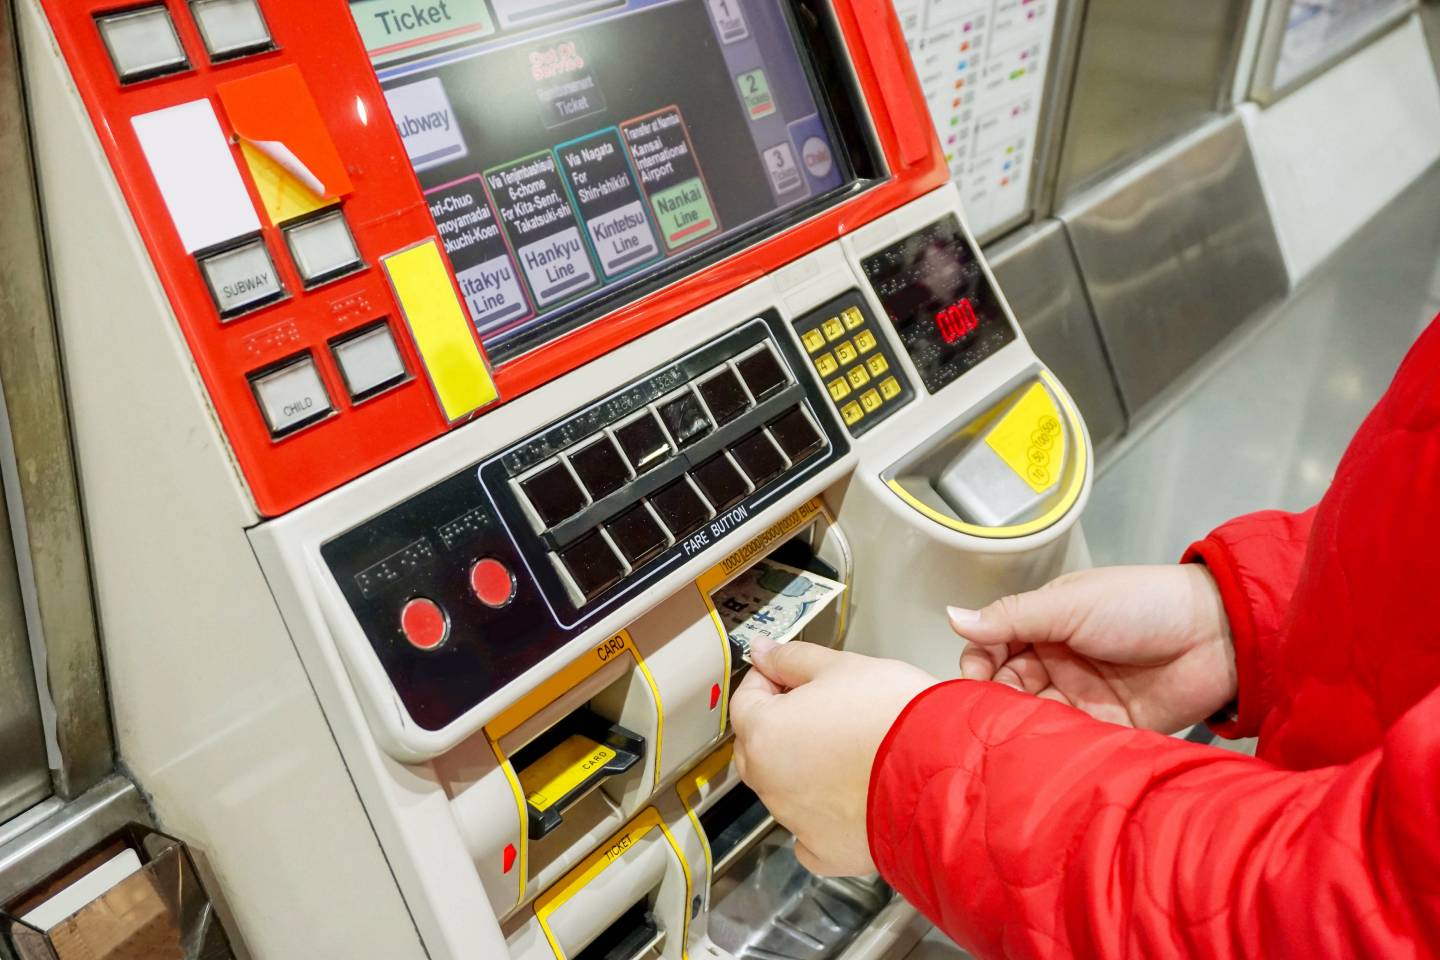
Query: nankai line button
637,534
680,507
796,435
492,583
592,565
685,419
142,42
291,395
424,624
763,373
241,278
554,494
600,467
759,456
644,443
724,395
721,482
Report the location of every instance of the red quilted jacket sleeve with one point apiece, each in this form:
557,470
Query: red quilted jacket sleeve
1256,561
1024,828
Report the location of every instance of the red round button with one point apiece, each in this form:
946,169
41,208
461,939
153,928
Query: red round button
492,582
424,623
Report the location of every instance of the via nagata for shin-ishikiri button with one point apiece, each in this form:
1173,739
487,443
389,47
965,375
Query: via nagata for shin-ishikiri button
291,395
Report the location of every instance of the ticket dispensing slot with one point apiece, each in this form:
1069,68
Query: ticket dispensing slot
1013,470
561,766
732,825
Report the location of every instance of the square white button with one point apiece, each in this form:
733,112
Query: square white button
241,278
369,361
231,28
323,248
291,396
142,42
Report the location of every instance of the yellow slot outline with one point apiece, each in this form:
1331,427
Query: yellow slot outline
592,866
688,788
565,679
1046,520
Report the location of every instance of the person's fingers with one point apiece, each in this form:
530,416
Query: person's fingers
811,861
1025,671
1054,693
754,690
1040,616
979,661
795,663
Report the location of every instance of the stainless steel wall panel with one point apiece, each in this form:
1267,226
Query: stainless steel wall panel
1175,253
1039,277
1147,70
24,772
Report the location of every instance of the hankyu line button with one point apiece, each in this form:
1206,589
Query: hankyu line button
857,377
852,317
833,328
826,364
838,388
870,400
890,388
845,353
865,340
142,42
813,340
492,582
852,413
424,624
877,364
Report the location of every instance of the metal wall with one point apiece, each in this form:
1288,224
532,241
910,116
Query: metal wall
24,772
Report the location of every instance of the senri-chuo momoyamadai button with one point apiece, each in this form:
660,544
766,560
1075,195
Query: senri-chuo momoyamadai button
241,277
142,42
231,28
291,395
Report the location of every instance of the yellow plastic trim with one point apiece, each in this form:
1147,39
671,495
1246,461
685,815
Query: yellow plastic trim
611,851
689,788
1050,517
546,693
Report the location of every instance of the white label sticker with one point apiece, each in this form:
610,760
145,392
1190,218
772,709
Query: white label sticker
426,123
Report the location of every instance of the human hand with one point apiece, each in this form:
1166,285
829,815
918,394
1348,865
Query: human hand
1141,646
808,722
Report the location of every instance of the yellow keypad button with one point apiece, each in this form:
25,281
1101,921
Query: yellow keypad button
877,364
834,330
826,364
852,413
870,400
865,340
852,317
813,340
838,388
890,388
857,377
845,353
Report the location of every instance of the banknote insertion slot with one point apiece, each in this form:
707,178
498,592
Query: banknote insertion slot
564,764
733,825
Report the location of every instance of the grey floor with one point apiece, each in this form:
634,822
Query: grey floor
1270,415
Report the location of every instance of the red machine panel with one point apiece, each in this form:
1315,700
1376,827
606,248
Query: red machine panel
314,372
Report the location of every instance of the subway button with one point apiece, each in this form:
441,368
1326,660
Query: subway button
877,364
852,317
424,625
838,388
865,340
291,395
826,364
890,388
845,353
870,400
813,340
833,328
241,278
857,377
852,413
492,582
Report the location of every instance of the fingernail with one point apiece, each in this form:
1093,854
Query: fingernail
962,617
760,647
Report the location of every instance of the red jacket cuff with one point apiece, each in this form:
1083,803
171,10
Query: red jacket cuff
1250,700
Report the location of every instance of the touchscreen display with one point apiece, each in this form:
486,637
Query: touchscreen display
578,153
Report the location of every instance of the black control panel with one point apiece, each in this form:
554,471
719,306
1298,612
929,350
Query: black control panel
855,361
940,301
466,585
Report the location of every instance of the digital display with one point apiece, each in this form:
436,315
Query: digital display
577,154
940,301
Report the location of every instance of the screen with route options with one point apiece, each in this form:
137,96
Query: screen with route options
578,153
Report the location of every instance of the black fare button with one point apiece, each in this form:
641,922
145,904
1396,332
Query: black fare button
759,457
592,565
763,373
554,494
637,534
724,396
644,443
796,435
685,419
680,507
600,467
721,482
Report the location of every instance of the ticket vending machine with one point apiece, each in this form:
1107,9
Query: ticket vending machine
434,365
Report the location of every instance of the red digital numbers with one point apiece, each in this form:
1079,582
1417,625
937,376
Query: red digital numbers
956,321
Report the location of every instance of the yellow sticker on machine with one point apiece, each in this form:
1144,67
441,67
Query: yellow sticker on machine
549,779
1031,440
